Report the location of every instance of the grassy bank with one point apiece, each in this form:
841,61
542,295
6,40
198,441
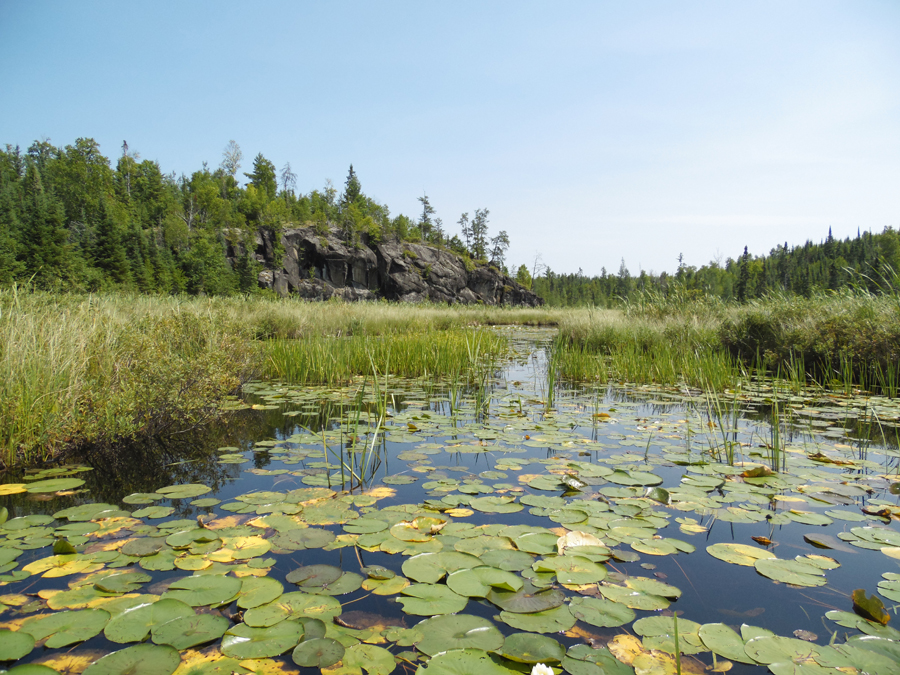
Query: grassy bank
841,340
78,369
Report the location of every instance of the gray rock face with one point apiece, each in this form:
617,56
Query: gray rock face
320,266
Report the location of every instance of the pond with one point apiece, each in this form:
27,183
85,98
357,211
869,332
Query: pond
419,526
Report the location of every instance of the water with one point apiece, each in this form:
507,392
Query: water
456,443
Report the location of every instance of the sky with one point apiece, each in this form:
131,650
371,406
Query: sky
594,132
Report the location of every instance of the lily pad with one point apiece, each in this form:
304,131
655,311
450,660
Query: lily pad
601,612
724,641
548,621
256,591
204,590
531,648
792,572
527,599
739,554
54,485
312,576
571,569
16,644
478,581
190,631
464,662
66,628
246,642
429,568
143,659
457,631
318,653
431,599
184,491
135,623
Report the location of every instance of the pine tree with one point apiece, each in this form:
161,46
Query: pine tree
109,250
45,251
352,188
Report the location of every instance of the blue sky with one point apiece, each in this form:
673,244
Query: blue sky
593,131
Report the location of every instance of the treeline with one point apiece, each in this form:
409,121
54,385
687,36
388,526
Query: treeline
69,220
869,260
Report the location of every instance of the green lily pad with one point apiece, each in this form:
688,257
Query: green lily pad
256,591
369,658
531,648
739,554
127,582
791,572
293,606
318,653
777,649
478,581
152,512
190,631
54,485
724,641
143,498
143,659
246,642
313,576
204,590
302,539
16,644
457,631
464,662
571,569
431,599
585,660
184,491
635,599
495,504
135,623
549,621
429,568
66,628
601,612
527,599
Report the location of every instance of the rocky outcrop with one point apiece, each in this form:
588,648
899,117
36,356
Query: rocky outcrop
320,266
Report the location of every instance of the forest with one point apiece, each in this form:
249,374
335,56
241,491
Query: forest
71,221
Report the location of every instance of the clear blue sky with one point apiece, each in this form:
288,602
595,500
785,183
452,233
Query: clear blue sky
593,131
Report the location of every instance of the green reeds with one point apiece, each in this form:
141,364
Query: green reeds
330,360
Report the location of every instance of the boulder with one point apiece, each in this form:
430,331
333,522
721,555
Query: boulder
319,265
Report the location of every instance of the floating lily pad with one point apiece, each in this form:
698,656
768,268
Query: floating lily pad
246,642
724,641
184,491
430,600
464,662
777,649
531,648
571,569
314,575
318,653
135,623
739,554
190,631
478,581
548,621
457,631
66,628
527,599
204,590
791,572
293,606
256,591
54,485
429,568
16,644
601,612
141,659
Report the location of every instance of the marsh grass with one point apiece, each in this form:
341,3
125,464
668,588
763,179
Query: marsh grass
88,369
849,340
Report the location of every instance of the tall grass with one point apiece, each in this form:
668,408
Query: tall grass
331,360
88,369
848,340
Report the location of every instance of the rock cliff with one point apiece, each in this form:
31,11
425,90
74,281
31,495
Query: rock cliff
319,266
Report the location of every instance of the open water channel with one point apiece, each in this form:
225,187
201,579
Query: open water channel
373,527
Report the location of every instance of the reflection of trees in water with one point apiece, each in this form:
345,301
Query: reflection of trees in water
124,469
